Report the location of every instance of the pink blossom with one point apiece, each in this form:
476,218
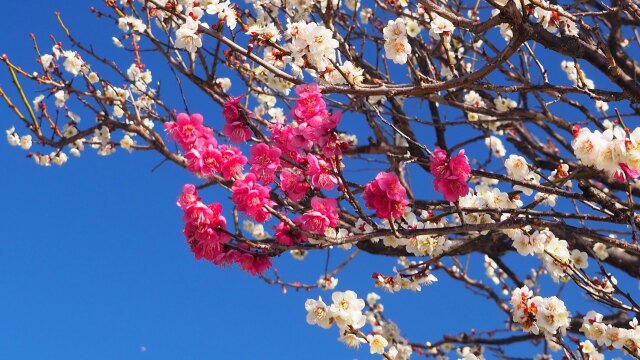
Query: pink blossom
187,130
450,174
198,214
231,110
265,161
285,236
452,187
209,230
204,162
205,227
251,197
324,214
281,135
459,166
310,107
205,230
236,131
228,257
305,135
254,264
189,196
294,184
386,195
333,120
231,161
235,128
285,139
440,163
204,249
194,161
319,171
330,145
626,172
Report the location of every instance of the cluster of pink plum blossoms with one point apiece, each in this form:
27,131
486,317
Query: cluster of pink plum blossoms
386,195
450,174
309,143
206,232
301,158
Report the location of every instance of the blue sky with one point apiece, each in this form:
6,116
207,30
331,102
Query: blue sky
93,263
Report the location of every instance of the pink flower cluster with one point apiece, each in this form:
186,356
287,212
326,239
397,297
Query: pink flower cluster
206,232
315,124
189,132
293,183
265,161
204,157
314,127
450,174
234,127
302,154
386,195
251,197
205,227
323,215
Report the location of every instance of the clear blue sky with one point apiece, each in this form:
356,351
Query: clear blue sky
93,264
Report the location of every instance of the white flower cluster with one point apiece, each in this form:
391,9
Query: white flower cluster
612,151
600,250
327,282
473,99
576,75
346,310
550,19
347,73
440,27
590,352
127,23
474,352
101,141
421,245
387,332
538,315
495,145
486,197
493,272
396,43
518,169
347,313
298,254
224,10
311,43
412,278
73,63
256,230
188,36
139,78
26,142
553,252
611,336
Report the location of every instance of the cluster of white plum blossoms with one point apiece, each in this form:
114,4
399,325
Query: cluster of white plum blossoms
550,16
616,150
351,314
595,329
538,315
